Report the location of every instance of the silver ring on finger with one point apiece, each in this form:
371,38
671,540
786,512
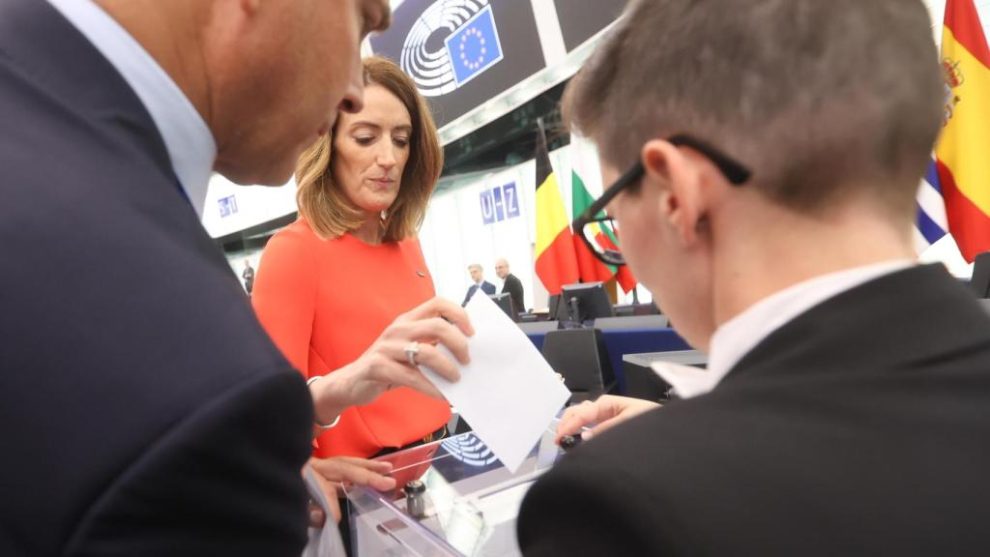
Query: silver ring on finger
412,350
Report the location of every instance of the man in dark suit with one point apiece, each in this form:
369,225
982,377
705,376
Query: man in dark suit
768,205
146,414
478,278
248,275
510,283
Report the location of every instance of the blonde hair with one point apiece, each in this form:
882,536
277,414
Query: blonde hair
323,203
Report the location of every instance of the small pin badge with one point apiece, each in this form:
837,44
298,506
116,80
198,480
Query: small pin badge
421,273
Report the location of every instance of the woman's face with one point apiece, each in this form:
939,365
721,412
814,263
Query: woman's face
370,150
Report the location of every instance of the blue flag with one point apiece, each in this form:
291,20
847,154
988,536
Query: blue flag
931,220
474,47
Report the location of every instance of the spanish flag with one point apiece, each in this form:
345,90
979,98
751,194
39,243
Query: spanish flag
556,264
963,151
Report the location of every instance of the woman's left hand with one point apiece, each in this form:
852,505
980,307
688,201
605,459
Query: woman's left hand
336,471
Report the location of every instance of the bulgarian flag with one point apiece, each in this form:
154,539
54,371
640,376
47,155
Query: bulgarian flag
962,163
585,162
591,268
556,263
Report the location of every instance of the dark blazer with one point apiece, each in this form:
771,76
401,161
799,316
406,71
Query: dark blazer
862,427
141,414
515,289
486,287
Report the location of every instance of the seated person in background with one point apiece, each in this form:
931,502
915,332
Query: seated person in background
478,280
331,282
510,283
769,157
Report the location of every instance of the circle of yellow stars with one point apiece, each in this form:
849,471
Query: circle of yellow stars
476,63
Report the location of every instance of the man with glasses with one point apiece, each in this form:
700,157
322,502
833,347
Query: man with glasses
764,157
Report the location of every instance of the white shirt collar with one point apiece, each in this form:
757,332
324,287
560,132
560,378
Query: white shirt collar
737,336
189,142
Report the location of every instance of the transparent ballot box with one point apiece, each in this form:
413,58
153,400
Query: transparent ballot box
453,498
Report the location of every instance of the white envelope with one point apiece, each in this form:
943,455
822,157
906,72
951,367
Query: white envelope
508,393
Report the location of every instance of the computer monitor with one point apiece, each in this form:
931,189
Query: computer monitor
583,302
504,301
980,282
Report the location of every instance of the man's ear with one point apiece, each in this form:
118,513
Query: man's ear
679,178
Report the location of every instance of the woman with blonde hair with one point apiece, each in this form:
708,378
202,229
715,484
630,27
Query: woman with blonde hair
330,283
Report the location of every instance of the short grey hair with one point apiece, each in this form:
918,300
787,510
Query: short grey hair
815,97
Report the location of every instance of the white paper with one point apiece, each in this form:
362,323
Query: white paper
508,393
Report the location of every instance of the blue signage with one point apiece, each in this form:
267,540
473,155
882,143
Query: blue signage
499,203
474,47
511,200
228,206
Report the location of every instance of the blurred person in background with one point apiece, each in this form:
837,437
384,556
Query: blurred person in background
248,275
510,284
478,282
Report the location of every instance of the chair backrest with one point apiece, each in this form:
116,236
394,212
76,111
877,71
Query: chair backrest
581,357
980,282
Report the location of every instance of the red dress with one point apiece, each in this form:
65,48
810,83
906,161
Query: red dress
324,302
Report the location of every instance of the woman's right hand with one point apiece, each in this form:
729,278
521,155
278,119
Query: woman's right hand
604,413
385,364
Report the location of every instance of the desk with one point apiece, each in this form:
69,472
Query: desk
628,341
642,382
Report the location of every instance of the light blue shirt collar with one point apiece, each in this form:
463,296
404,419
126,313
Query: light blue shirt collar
189,142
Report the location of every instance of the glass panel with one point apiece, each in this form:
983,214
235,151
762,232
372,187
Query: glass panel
469,505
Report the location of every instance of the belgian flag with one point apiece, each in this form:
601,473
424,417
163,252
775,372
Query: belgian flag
556,263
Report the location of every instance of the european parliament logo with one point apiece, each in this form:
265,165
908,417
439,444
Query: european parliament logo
474,47
470,450
471,45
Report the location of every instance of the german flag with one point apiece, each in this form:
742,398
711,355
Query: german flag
961,154
556,263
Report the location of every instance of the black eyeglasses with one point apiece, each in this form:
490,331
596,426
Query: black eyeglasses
598,230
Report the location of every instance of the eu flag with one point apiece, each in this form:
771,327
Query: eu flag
474,47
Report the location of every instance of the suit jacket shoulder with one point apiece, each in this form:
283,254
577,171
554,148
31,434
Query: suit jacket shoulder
860,414
142,370
515,289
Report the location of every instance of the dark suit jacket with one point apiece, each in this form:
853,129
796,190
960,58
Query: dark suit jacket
860,428
486,287
141,414
515,289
